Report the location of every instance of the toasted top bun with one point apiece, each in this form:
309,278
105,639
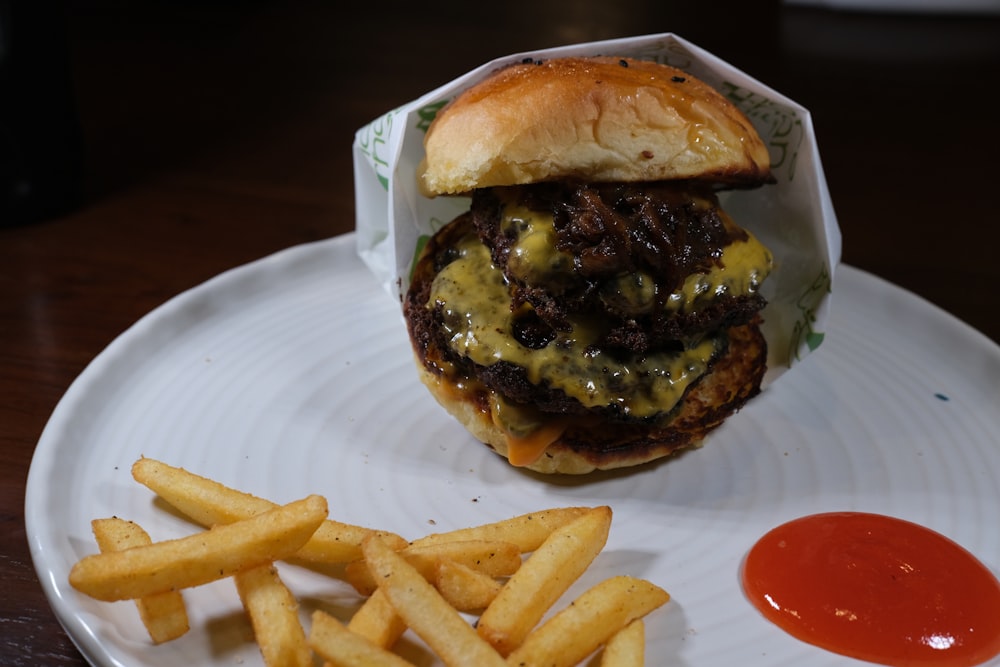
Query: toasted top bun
596,119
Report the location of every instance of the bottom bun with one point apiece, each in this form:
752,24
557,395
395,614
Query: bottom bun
584,444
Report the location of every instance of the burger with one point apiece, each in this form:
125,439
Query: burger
594,307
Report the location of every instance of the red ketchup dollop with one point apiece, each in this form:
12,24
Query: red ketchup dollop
876,588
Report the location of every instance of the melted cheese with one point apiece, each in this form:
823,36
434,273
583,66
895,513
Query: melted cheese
525,450
479,319
477,316
528,432
534,259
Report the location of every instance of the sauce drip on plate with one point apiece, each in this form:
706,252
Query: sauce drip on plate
876,588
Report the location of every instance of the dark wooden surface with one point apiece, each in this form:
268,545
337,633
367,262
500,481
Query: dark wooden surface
219,132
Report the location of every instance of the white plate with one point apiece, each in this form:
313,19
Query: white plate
293,375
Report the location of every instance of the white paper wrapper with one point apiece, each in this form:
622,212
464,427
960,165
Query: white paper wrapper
793,217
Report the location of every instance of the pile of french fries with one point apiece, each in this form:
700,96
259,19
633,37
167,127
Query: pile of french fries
506,575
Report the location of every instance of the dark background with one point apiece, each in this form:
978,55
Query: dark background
220,93
174,140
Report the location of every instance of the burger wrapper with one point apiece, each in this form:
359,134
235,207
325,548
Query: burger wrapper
793,217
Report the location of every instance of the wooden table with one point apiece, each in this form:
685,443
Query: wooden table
217,133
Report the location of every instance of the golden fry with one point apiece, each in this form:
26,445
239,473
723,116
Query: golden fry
340,647
199,558
580,628
377,621
425,585
498,559
527,531
427,613
464,588
209,503
543,578
627,647
273,612
163,614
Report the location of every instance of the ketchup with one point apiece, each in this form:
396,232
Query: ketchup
876,588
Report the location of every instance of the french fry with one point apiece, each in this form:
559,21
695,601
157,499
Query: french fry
427,613
425,585
163,614
339,647
496,559
595,616
273,613
543,578
377,621
627,647
527,531
199,558
208,503
464,588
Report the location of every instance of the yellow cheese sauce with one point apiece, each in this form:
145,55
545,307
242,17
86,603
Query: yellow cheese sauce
476,307
534,259
528,433
475,302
